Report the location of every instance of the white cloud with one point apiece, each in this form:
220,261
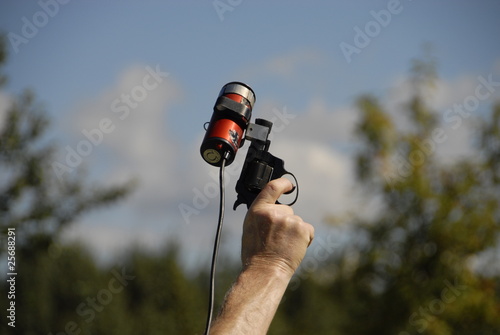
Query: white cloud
324,176
443,99
284,65
139,144
107,240
287,64
319,122
316,146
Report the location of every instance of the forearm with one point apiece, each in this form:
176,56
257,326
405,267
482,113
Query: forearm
251,303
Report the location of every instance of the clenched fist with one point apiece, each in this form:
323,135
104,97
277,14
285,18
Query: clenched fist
272,235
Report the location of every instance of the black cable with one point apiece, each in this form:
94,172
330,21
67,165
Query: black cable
216,246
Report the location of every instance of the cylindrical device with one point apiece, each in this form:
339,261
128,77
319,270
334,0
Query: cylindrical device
232,113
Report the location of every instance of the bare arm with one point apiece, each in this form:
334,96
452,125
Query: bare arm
273,245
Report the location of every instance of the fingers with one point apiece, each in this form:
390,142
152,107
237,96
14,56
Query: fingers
268,196
272,191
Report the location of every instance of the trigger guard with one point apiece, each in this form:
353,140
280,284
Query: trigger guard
296,187
291,191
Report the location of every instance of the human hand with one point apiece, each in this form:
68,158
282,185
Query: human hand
273,237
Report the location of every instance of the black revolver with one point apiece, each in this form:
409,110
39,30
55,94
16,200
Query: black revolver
260,166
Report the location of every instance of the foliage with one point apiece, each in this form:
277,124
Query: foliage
414,273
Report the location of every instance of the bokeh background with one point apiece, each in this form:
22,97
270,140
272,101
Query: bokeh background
307,61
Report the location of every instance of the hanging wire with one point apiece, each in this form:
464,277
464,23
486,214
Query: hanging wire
216,246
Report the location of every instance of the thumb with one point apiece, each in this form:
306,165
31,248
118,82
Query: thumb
272,191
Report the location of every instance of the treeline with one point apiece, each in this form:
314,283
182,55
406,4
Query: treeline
61,290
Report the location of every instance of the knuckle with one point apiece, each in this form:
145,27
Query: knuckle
273,186
266,214
293,220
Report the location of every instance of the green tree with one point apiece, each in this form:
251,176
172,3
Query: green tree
412,273
162,299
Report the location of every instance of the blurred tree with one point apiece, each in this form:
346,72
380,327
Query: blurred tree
413,273
39,206
308,309
162,299
51,284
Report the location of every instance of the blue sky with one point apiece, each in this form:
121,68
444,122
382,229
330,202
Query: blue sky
87,53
